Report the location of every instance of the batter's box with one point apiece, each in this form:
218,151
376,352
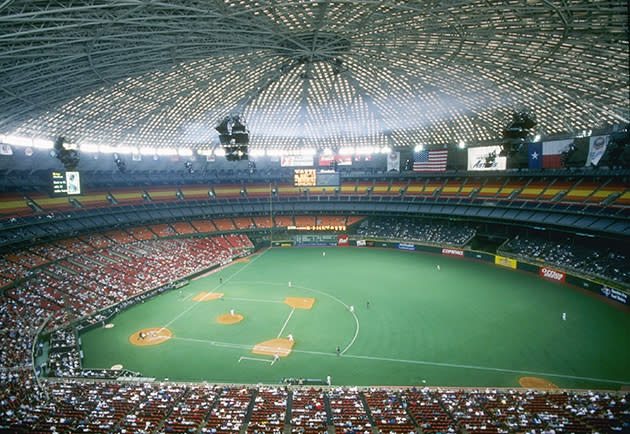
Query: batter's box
279,346
300,302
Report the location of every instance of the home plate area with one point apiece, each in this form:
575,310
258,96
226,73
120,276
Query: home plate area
280,346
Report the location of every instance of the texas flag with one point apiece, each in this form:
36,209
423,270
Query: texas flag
547,154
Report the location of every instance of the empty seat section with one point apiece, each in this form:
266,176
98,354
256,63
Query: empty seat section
243,222
282,221
510,187
432,187
534,189
164,193
608,190
195,192
225,224
415,188
93,199
491,188
363,187
162,230
203,226
451,187
259,190
263,222
141,233
581,191
128,196
287,190
304,220
183,228
380,188
348,187
227,191
469,186
557,188
13,204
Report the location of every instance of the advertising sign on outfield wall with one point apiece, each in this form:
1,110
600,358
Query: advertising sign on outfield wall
613,294
342,240
505,262
361,243
550,273
406,246
453,252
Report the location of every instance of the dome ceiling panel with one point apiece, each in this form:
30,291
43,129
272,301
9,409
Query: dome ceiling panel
309,73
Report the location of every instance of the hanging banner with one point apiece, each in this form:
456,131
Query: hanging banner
393,162
486,158
596,150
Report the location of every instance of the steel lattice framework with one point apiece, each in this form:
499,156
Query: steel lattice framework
309,73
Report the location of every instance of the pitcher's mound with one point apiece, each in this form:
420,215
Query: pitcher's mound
207,296
536,383
150,336
300,302
227,318
280,346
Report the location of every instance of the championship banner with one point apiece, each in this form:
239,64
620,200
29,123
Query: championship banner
596,149
550,273
486,158
505,262
393,162
453,252
297,161
343,240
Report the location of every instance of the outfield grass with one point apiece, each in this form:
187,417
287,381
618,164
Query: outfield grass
468,324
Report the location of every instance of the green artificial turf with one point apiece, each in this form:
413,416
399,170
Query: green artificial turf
467,324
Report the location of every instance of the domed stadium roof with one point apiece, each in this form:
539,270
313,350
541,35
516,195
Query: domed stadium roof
309,74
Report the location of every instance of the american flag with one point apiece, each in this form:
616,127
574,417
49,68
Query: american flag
430,161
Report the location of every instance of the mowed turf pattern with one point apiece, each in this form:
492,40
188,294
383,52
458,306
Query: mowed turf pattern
467,324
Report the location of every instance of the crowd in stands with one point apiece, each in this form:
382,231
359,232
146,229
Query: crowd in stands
52,284
604,263
141,407
72,281
409,229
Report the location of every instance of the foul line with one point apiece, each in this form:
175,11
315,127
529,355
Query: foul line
253,299
255,359
286,322
417,362
213,289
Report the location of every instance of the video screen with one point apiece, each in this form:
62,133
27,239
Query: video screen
66,183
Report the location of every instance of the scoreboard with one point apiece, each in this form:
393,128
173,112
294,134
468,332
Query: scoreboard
304,177
315,178
66,183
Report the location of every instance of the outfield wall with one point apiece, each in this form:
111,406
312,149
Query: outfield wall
616,296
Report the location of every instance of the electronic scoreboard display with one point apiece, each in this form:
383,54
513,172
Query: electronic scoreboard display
315,178
66,183
304,177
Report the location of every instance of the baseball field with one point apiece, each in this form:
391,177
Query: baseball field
369,317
